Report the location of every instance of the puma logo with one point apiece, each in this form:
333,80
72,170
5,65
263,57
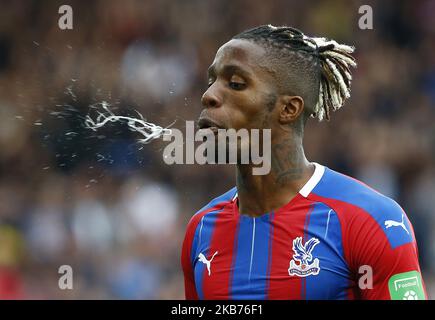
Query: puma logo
204,260
392,223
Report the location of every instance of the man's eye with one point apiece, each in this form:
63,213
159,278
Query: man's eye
209,83
237,85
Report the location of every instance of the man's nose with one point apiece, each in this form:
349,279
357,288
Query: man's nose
210,99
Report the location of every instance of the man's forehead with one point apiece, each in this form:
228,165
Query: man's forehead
240,52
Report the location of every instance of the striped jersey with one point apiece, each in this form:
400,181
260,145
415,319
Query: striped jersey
336,239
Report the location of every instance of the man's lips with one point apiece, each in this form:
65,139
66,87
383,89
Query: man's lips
206,123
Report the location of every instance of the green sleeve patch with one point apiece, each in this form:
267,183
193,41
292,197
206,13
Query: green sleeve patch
406,286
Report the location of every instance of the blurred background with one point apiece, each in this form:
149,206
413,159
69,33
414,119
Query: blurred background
110,207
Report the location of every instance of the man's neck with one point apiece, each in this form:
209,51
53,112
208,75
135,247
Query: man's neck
290,170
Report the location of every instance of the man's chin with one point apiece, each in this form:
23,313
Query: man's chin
223,154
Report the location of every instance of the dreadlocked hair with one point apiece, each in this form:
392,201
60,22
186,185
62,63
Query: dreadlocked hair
323,63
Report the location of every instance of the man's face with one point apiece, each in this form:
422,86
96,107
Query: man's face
241,89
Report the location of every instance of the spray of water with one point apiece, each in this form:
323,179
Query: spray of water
149,130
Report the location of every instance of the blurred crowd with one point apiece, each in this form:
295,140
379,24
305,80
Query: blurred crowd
110,207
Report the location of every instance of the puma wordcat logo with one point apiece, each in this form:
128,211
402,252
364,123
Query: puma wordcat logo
204,260
392,223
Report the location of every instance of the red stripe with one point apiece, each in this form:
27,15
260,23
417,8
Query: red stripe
191,229
351,294
217,285
288,223
236,240
189,285
307,223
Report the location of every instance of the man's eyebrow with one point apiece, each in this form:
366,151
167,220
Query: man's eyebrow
228,69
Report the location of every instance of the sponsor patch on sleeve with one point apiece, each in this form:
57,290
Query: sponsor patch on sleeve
406,286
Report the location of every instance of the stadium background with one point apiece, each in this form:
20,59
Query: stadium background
113,210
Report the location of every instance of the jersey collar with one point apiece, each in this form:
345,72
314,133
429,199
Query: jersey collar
313,181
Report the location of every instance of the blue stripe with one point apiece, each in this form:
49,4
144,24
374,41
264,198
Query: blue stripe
251,264
334,273
201,244
334,185
269,254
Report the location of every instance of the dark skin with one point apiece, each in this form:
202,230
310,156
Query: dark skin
244,92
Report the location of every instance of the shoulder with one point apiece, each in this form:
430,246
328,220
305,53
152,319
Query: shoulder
219,201
358,204
213,206
348,190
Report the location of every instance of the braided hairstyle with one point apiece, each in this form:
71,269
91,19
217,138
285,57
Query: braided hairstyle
321,66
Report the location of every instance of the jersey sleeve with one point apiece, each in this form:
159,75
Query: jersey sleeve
190,242
383,255
186,262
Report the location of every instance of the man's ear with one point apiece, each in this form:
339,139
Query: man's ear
290,108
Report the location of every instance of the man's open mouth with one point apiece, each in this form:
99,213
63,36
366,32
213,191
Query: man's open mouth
206,123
